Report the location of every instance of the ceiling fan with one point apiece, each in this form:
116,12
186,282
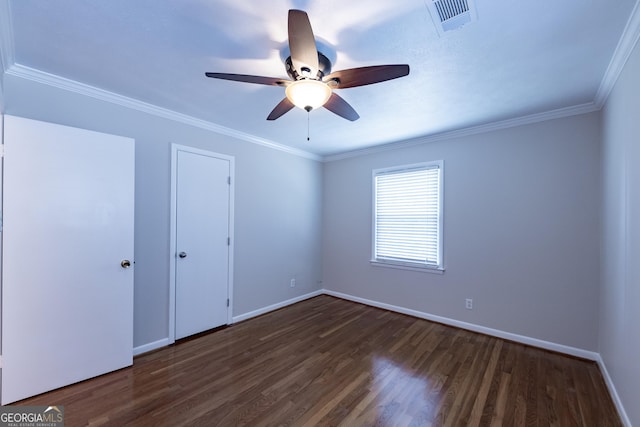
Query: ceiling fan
312,83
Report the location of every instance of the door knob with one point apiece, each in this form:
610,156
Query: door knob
182,254
125,263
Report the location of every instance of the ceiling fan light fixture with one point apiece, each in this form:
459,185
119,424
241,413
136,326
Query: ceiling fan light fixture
308,94
311,81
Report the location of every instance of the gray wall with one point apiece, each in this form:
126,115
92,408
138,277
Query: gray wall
620,294
277,203
521,231
522,214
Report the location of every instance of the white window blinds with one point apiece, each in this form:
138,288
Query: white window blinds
407,217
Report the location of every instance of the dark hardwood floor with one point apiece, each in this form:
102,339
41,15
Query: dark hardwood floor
326,361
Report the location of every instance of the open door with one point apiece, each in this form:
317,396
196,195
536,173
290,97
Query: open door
67,264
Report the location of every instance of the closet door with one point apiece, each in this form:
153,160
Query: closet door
203,193
67,265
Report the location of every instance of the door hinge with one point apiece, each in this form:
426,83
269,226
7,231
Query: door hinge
228,241
1,150
227,302
229,180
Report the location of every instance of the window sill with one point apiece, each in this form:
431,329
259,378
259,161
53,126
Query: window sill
411,267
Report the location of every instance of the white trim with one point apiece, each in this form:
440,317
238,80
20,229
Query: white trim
614,393
534,342
63,83
175,148
276,306
172,246
572,351
145,348
407,266
232,236
626,44
473,130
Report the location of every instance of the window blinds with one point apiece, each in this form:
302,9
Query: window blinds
407,216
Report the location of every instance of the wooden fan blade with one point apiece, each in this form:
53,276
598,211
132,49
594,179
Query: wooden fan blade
339,106
284,106
302,43
269,81
361,76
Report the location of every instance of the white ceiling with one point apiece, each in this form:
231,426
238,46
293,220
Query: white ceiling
519,58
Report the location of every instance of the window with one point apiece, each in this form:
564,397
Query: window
407,223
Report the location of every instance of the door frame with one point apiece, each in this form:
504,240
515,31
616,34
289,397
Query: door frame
175,148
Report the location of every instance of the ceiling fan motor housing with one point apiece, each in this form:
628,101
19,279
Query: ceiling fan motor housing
324,68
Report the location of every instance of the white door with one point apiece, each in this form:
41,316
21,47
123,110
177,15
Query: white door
67,302
202,242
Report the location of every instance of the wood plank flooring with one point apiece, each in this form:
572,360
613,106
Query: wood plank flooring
329,362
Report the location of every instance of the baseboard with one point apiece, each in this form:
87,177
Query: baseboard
572,351
613,392
145,348
276,306
534,342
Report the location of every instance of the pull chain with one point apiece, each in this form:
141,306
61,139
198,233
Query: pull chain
307,125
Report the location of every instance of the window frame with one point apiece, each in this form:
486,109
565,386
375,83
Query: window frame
437,268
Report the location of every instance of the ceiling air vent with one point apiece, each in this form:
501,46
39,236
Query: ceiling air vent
449,15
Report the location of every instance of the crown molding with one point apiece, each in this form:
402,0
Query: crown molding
473,130
63,83
8,66
626,44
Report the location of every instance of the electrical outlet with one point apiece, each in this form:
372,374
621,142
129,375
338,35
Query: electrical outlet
468,304
292,283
